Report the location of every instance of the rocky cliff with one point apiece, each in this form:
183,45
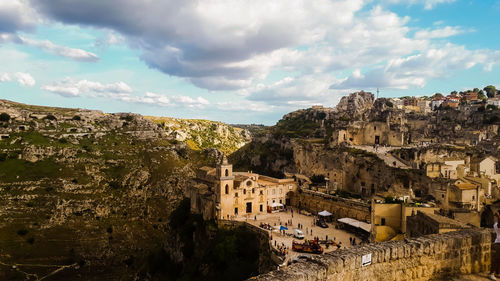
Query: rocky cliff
88,196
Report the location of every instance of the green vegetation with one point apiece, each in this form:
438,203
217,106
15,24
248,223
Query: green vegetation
50,117
296,127
389,104
490,90
4,117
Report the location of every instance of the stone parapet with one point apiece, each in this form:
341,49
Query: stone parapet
428,257
313,202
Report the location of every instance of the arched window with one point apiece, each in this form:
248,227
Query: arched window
226,173
227,189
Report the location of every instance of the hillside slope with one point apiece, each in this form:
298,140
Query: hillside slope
88,196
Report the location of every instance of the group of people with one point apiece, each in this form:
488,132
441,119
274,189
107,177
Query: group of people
282,249
352,240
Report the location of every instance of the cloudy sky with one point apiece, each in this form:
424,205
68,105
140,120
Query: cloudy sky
241,61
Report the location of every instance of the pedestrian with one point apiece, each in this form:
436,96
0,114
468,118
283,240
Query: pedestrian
311,231
275,243
350,240
495,259
255,217
326,238
307,230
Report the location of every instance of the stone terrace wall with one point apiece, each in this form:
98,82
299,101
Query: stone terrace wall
423,258
340,208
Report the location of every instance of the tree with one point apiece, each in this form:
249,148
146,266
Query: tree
490,91
480,95
4,117
437,95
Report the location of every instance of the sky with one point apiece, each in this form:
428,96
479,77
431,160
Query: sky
241,61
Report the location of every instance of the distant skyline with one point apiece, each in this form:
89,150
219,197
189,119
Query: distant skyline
241,61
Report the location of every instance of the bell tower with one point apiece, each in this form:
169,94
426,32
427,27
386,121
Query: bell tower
224,169
225,191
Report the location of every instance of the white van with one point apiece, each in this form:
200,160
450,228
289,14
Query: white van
298,234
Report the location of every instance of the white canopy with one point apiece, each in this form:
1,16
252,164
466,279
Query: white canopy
358,224
275,204
324,213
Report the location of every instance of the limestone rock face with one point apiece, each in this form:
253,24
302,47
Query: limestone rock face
355,104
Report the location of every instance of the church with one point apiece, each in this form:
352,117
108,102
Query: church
240,194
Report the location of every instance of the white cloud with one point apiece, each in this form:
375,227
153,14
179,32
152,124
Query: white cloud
218,45
24,79
416,70
72,88
62,51
428,4
293,92
447,31
5,77
174,101
244,106
122,92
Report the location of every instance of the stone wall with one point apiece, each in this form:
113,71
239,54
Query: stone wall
423,258
267,258
339,207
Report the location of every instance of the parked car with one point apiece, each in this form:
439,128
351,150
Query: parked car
321,223
298,234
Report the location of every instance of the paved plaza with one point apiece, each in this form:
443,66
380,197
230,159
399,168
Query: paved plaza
307,222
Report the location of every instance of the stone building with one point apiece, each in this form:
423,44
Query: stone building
484,166
336,179
237,194
371,133
466,195
430,223
389,220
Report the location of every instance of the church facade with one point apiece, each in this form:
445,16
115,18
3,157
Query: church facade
239,194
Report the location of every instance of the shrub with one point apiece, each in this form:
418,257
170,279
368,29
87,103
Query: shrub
128,118
491,107
50,117
77,118
22,232
63,140
389,104
4,117
321,115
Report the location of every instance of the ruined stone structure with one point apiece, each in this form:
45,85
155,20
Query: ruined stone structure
423,258
427,223
371,133
339,207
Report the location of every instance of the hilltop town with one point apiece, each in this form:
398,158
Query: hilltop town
363,172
